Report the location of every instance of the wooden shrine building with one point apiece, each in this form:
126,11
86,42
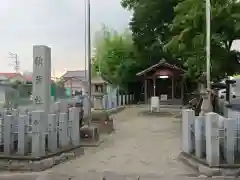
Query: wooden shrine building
164,80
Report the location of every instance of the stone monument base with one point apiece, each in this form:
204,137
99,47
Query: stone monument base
89,136
102,120
37,164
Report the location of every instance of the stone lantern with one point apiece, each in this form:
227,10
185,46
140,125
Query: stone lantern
206,94
99,87
100,117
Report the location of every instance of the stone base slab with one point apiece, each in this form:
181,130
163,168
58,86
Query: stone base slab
89,136
203,169
39,165
103,121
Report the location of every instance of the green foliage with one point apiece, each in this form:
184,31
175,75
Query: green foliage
175,30
114,57
188,41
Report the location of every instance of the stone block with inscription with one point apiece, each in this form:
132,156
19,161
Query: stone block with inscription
212,139
41,79
38,134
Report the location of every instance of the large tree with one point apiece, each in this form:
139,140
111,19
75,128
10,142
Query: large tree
188,42
114,57
175,29
150,28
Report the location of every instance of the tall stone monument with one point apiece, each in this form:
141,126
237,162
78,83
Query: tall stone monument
41,78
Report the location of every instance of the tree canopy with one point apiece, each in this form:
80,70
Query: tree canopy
175,30
114,57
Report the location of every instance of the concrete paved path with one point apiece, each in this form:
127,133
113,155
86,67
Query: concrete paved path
144,146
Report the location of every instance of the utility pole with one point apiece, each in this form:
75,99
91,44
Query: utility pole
85,38
208,50
89,61
16,64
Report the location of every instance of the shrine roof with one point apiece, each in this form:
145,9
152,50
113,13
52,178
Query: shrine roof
162,64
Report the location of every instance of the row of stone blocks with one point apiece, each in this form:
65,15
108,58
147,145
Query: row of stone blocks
43,133
211,136
114,101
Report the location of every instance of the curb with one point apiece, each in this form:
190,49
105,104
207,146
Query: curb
41,165
204,170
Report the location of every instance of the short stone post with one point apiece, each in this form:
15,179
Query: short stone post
8,119
38,133
188,117
115,101
63,126
22,140
123,103
1,129
212,139
75,126
127,100
15,114
119,100
52,132
109,100
200,144
229,132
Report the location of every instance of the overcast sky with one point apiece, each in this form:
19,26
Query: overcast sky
55,23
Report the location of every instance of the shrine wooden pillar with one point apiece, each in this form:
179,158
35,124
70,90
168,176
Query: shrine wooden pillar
172,88
182,90
145,91
154,86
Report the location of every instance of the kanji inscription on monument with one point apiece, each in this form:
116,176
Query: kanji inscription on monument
42,77
38,61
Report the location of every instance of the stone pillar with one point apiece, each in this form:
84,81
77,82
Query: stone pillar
52,133
120,99
229,129
172,88
63,125
38,133
74,126
200,143
115,100
22,141
41,79
15,114
8,119
109,93
123,100
212,139
188,117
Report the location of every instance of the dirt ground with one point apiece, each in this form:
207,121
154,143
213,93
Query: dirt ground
142,146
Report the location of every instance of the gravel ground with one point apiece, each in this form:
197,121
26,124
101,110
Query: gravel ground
142,146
